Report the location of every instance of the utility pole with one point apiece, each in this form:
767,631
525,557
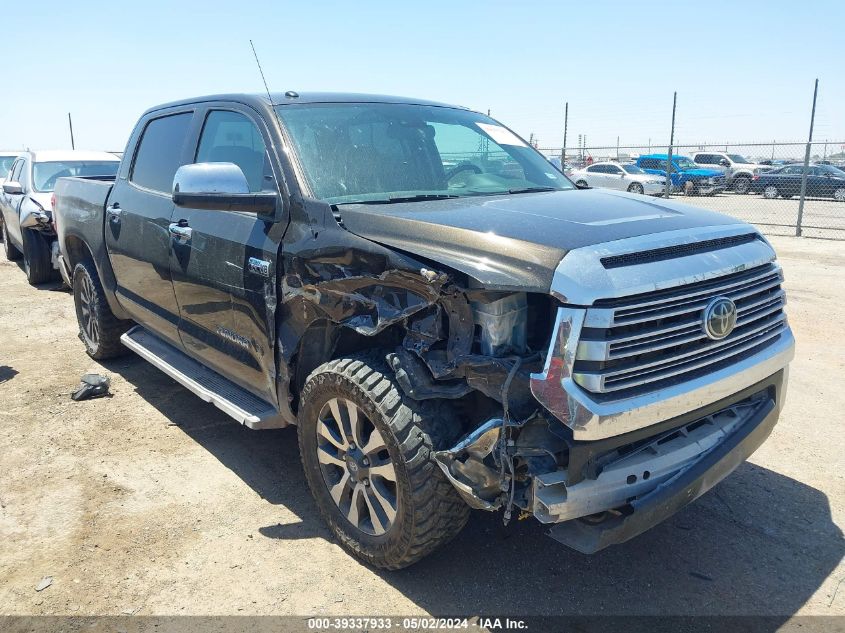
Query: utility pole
806,163
671,142
565,128
617,149
70,125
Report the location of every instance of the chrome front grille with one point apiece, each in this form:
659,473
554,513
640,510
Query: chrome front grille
640,343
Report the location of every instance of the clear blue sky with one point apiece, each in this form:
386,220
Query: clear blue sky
743,70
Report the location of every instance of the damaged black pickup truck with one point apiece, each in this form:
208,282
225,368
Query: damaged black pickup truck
447,319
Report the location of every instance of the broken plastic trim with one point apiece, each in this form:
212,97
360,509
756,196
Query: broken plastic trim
477,483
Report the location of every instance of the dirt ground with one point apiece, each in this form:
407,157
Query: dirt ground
153,502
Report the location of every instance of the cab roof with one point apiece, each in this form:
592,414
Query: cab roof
50,155
260,100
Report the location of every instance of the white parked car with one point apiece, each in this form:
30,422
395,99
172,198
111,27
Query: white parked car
627,177
25,204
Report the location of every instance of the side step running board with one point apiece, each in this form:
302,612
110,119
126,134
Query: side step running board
210,386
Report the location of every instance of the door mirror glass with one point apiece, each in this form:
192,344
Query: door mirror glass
12,187
724,163
220,187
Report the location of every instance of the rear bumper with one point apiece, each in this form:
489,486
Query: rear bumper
651,508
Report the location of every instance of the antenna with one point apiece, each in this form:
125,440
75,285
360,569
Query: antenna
70,124
261,72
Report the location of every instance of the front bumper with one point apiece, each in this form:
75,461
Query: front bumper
693,480
708,189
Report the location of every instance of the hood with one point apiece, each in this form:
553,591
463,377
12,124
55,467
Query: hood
515,242
703,173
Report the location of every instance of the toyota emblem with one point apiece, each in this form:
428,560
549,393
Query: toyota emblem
719,318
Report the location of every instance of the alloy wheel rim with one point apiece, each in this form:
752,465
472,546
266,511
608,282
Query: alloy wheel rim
839,194
356,467
770,192
90,329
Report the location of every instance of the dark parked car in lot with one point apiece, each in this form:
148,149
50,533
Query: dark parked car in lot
823,181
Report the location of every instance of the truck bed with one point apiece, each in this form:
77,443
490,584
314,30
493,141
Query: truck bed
80,215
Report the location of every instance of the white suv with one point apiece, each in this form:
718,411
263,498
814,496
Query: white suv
738,170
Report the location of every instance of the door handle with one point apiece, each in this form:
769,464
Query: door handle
181,231
114,212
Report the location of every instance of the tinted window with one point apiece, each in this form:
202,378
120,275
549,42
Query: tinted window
612,169
632,169
596,169
159,153
231,137
706,159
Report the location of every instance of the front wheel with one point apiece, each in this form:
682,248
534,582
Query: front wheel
99,329
839,194
689,188
636,187
367,451
742,185
36,257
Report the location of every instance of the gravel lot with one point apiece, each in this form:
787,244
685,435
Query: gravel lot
153,502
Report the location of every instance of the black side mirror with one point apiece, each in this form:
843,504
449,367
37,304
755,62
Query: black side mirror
724,163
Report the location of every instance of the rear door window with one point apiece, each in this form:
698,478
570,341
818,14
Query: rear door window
160,152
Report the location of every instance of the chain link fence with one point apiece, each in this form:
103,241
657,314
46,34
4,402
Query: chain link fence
783,188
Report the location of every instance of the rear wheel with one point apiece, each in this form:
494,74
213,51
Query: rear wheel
636,187
367,451
12,253
581,184
99,329
36,257
742,184
770,192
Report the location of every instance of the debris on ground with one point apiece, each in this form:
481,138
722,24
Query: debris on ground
45,582
92,386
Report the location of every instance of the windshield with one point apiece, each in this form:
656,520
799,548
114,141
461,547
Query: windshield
6,165
380,152
739,159
830,169
44,175
632,169
685,164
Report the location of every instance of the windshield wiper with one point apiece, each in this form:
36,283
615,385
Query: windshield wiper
532,190
416,198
